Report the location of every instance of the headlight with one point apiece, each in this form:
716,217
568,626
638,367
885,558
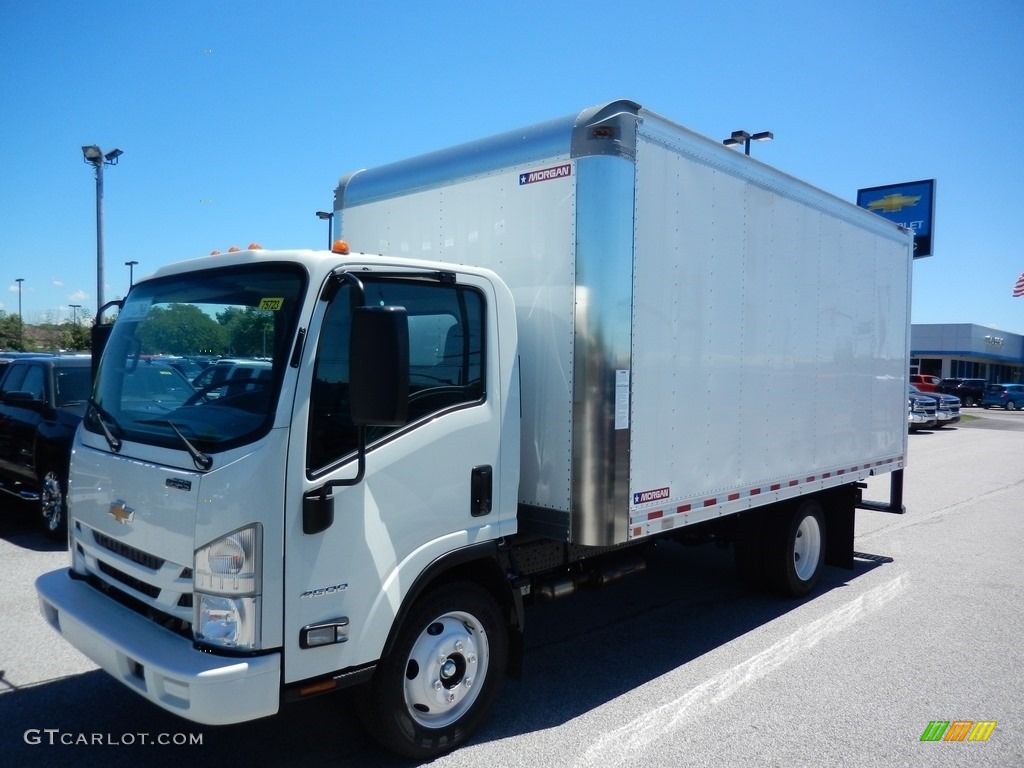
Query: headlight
227,580
232,623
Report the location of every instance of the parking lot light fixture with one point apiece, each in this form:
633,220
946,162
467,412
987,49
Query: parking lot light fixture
327,216
95,157
744,138
21,322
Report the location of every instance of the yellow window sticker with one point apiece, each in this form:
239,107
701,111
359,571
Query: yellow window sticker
271,305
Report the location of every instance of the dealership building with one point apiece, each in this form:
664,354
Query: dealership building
966,351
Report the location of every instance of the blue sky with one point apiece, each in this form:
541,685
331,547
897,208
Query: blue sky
236,119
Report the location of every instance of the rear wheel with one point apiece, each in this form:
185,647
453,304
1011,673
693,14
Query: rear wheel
436,686
795,550
1011,406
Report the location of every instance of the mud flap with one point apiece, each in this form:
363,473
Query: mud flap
840,507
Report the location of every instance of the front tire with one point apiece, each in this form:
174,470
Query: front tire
53,505
437,685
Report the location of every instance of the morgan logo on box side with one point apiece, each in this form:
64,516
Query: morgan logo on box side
556,172
656,495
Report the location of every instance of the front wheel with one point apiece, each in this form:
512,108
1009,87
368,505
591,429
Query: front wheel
1011,406
436,686
53,504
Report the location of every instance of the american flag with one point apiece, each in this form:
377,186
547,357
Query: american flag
1018,289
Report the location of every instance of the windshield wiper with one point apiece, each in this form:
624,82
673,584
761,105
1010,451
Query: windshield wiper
200,459
102,417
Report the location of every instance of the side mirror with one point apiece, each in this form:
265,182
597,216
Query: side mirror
379,375
23,400
99,337
378,394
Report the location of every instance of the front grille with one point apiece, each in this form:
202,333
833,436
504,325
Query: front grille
128,553
165,620
129,581
152,586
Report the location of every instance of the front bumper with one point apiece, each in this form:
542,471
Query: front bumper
163,667
916,419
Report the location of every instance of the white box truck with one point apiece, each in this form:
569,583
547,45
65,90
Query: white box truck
544,351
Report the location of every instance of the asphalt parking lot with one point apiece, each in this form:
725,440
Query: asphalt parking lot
678,666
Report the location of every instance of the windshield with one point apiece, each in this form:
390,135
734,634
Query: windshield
233,327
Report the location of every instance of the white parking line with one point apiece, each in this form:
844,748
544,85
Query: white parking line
627,741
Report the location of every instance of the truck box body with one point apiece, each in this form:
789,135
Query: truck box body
699,333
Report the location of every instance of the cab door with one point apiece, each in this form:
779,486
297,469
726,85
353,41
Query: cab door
425,490
20,419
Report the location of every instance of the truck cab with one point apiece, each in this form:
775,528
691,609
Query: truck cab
255,539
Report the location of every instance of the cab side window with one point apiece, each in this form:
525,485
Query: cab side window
14,378
446,361
35,382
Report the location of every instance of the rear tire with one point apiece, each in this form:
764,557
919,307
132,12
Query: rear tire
438,683
795,550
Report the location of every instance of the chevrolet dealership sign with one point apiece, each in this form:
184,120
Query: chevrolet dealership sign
911,204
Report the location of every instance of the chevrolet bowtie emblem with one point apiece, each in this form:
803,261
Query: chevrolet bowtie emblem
121,512
894,203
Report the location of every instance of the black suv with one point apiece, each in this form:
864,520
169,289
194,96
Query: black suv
42,402
968,390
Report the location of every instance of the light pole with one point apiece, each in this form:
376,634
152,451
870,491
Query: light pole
131,273
744,138
21,323
94,156
74,324
328,216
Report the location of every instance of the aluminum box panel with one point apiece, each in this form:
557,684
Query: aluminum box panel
699,333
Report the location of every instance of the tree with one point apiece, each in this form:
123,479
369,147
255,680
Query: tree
181,329
79,335
250,331
10,331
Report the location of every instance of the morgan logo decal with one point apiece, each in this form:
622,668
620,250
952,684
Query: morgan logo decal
121,512
547,174
178,484
645,496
